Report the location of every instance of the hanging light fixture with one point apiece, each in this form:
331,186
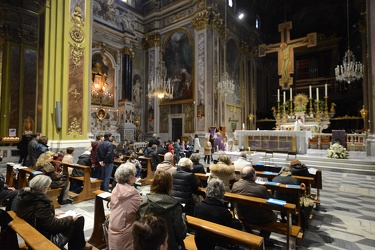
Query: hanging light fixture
350,70
159,86
226,85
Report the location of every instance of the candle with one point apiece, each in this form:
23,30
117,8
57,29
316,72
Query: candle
317,94
278,95
291,95
243,126
325,90
284,96
310,92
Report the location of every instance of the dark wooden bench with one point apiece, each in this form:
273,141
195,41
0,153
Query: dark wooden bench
89,184
234,236
29,234
291,231
282,188
148,161
23,180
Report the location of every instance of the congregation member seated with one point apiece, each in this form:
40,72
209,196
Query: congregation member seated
58,180
134,160
151,152
297,168
252,215
33,205
223,170
184,185
241,162
150,233
40,148
167,164
7,194
125,201
213,209
197,166
285,177
83,159
160,203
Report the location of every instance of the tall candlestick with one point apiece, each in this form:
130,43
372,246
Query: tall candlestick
278,95
317,94
291,94
284,96
310,92
325,90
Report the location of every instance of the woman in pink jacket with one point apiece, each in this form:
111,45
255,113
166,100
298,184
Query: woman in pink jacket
125,201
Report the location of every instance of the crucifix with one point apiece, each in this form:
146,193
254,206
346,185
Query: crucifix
285,50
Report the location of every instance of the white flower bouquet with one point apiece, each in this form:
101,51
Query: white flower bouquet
337,151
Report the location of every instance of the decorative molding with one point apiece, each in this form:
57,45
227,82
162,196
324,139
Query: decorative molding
74,127
77,53
104,48
151,40
128,51
206,19
76,17
77,34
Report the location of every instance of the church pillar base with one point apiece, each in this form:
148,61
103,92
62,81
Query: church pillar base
370,146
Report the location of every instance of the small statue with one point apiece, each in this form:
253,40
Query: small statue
332,110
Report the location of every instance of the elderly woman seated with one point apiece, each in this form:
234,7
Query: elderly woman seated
33,205
215,210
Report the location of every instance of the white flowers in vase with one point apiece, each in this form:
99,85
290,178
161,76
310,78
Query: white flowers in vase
337,151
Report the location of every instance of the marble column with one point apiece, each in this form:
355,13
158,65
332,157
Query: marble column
127,73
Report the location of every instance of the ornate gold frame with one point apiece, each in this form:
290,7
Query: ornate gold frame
101,114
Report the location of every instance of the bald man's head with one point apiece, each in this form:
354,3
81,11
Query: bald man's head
248,173
168,156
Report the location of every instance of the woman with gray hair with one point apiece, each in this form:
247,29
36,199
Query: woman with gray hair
125,201
215,210
36,208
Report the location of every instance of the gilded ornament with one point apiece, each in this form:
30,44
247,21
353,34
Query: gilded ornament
77,35
74,127
300,102
76,53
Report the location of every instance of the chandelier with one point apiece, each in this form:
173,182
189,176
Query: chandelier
226,85
350,70
159,86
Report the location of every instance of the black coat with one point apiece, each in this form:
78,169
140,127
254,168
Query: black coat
37,209
83,159
105,152
288,197
214,210
184,184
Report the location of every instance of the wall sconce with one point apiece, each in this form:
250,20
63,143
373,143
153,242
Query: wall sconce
136,121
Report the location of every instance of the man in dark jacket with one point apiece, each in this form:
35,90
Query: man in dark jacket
151,152
23,148
105,156
30,149
248,214
95,167
41,147
184,185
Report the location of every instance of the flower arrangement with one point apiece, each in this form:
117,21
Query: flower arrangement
337,151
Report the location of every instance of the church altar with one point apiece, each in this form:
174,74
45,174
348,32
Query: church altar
297,140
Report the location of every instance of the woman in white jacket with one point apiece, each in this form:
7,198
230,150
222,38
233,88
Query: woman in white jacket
197,145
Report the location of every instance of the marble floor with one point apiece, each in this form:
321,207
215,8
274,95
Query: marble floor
345,220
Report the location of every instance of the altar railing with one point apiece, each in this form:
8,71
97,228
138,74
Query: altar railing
354,142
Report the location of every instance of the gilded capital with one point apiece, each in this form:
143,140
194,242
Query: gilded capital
128,51
206,19
150,41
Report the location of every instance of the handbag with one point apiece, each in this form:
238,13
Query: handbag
59,239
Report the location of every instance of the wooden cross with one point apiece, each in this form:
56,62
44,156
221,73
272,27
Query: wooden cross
285,50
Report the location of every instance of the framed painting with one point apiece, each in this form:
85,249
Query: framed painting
178,58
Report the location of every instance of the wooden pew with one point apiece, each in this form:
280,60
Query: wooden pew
29,234
282,187
23,181
235,236
9,179
282,228
150,173
89,184
97,237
